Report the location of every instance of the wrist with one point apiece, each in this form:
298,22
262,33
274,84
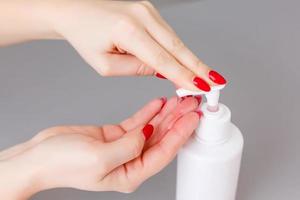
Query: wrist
18,179
26,20
42,13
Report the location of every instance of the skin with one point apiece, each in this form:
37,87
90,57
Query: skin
117,38
99,158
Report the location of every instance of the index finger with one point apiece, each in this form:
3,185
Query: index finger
139,43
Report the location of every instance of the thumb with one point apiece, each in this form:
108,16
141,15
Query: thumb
128,147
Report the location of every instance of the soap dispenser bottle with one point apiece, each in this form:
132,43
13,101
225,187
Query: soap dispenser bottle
208,164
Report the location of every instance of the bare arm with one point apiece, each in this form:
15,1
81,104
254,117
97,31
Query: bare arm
22,20
117,38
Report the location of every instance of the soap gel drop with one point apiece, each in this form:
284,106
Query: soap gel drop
208,164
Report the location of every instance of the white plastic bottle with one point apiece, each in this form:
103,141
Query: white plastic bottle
209,163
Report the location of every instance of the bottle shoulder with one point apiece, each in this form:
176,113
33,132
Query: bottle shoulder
228,148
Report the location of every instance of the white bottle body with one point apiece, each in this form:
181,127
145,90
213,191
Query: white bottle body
209,169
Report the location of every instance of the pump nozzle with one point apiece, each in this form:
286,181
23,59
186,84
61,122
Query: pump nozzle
212,97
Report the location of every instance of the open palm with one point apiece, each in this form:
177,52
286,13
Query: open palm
110,157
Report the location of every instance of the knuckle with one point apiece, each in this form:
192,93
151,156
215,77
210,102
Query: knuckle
105,71
127,26
104,68
135,148
161,58
54,128
40,136
148,4
183,74
129,188
199,64
141,8
196,62
50,130
177,45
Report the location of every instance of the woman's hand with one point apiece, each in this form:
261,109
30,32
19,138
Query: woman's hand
130,38
116,38
107,158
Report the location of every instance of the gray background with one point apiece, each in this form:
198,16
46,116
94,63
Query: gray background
255,44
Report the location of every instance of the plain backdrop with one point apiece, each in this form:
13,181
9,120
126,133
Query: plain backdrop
255,44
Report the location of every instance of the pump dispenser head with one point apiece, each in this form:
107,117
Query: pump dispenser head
212,97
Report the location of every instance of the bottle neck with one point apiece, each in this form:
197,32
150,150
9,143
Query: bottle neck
214,126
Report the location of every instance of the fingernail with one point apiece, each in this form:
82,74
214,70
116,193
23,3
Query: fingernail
199,99
164,100
199,112
201,84
216,77
158,75
180,99
147,131
183,98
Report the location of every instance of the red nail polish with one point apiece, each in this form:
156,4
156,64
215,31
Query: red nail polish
201,84
199,99
184,97
164,101
147,131
158,75
216,77
199,112
180,99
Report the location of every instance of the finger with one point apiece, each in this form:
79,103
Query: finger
123,65
155,158
127,147
167,38
185,106
107,133
144,115
139,43
158,156
156,15
13,151
169,106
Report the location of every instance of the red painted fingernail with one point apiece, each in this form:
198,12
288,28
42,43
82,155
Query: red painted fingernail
200,113
199,99
158,75
201,84
184,97
164,100
216,77
147,131
180,99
